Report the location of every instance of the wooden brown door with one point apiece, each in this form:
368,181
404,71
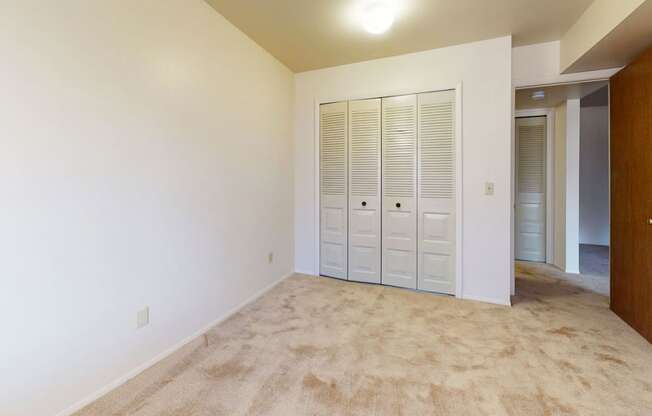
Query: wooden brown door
631,194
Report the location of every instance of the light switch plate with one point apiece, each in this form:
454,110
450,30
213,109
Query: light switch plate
270,257
142,318
489,188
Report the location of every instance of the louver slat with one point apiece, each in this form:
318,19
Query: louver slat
364,134
437,150
399,150
333,153
531,160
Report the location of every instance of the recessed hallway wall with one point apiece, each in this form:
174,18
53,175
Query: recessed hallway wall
594,175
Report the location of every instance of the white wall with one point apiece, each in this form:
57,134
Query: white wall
484,68
559,258
594,175
145,159
572,220
539,64
566,177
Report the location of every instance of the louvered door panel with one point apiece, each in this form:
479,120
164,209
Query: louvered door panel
399,162
333,135
364,198
436,179
531,151
531,188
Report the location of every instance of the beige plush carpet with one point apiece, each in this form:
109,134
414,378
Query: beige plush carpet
317,346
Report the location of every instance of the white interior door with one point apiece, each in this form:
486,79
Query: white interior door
364,195
333,129
531,189
436,251
399,204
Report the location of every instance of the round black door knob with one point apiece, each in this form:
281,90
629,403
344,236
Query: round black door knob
398,205
364,203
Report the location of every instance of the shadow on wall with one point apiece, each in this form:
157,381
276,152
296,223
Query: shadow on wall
594,169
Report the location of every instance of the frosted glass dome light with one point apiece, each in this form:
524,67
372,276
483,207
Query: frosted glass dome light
377,18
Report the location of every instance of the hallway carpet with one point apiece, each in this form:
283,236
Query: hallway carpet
594,260
318,346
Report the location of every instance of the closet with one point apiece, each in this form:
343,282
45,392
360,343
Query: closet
387,191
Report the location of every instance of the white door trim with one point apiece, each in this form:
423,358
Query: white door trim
549,113
459,278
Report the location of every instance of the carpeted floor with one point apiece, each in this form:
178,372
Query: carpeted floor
594,260
325,347
592,282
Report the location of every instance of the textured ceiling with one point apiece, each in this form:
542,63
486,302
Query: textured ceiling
312,34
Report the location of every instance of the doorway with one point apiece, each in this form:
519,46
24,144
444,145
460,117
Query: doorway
561,180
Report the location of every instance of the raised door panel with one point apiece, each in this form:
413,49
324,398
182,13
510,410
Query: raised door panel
364,242
399,245
333,190
364,198
531,217
399,159
437,181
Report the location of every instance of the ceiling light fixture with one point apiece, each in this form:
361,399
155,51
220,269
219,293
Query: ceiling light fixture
377,18
538,95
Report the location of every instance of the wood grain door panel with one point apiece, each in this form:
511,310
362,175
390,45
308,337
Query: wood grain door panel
631,194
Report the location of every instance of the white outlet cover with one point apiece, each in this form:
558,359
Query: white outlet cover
142,318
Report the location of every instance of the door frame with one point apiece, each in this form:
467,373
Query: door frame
459,278
549,113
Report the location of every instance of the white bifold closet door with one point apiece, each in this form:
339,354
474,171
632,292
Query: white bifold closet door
399,204
333,135
531,189
436,179
364,190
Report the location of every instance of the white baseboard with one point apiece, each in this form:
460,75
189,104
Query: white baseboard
501,302
133,373
308,272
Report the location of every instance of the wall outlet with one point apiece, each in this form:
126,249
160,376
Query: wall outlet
270,257
489,188
142,317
